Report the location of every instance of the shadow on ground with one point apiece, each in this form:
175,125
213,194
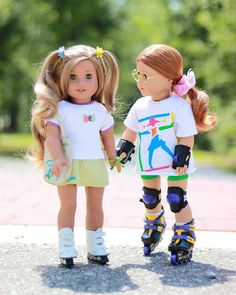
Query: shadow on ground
34,269
151,271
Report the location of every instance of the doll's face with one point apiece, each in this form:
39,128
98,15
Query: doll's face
83,83
151,83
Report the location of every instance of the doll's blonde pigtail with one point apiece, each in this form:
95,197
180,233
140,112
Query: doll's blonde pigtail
111,78
45,106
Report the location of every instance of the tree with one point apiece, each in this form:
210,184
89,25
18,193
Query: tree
29,30
204,31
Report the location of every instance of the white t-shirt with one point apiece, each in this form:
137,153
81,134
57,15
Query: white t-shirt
82,125
158,124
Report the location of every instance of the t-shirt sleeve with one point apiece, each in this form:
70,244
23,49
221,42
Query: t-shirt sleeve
185,123
131,120
54,121
107,122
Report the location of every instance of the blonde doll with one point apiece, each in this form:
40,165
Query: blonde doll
165,124
75,92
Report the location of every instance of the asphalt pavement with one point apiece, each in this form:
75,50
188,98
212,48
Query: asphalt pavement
28,239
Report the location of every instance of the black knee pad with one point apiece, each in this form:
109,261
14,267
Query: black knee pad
151,197
175,198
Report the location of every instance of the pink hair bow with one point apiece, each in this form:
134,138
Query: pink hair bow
185,83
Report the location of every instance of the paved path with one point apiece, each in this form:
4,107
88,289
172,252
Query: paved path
28,239
26,199
28,265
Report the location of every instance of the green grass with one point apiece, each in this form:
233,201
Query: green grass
225,162
14,143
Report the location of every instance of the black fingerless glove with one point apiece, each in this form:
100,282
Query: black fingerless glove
127,147
181,156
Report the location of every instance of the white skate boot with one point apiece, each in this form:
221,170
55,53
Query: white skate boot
97,252
66,247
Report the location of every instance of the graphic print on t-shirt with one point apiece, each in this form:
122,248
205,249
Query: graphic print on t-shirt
89,118
154,153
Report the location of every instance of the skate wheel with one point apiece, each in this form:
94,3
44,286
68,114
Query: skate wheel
66,262
102,260
173,259
190,255
146,250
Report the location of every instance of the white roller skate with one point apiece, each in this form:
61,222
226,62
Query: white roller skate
67,249
97,252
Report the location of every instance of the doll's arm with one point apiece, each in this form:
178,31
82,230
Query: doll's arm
182,154
188,141
54,147
129,135
108,141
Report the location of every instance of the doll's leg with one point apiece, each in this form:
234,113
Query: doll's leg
97,252
154,221
67,251
66,215
182,243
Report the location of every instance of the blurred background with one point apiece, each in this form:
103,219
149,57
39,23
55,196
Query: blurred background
203,31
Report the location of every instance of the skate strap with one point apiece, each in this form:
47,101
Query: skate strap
99,238
157,224
99,241
184,232
184,227
67,243
181,234
189,239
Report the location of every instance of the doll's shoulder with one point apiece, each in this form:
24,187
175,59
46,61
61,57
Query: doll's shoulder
100,108
64,109
178,102
141,102
63,105
177,99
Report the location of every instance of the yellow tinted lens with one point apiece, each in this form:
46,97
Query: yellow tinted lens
135,75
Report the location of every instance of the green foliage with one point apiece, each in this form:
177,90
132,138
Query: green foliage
205,33
14,144
28,31
203,30
223,138
222,161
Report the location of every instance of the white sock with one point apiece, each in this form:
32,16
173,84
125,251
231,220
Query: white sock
156,214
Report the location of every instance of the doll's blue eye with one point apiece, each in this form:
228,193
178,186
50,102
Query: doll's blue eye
72,76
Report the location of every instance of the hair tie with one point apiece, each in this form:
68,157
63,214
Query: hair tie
116,163
61,52
99,52
186,83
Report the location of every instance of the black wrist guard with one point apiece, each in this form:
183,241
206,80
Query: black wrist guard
181,156
125,146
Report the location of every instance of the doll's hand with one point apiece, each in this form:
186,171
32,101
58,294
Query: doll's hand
116,163
122,156
58,166
181,170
